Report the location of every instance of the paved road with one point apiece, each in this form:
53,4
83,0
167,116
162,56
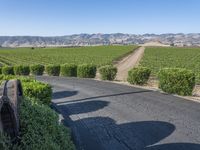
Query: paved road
108,116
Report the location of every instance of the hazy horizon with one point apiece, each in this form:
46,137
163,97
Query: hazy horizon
91,34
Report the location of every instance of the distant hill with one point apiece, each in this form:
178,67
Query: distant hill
100,39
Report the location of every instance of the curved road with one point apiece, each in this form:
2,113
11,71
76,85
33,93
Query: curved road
109,116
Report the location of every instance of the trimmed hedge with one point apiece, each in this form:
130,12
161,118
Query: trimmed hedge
68,70
139,75
37,70
52,70
33,89
38,90
40,128
108,72
9,77
21,70
8,70
86,71
176,81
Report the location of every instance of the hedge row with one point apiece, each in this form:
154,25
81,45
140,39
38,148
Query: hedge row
22,70
39,125
68,70
174,80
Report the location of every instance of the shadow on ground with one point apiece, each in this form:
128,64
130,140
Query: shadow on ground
103,133
63,94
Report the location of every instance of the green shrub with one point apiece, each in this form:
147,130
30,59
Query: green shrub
68,70
37,70
177,81
0,70
108,72
8,70
40,128
22,70
38,90
86,71
10,77
139,75
52,70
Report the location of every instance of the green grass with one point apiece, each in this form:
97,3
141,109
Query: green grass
171,57
98,55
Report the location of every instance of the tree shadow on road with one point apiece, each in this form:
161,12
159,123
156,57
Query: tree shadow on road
128,136
104,133
63,94
82,107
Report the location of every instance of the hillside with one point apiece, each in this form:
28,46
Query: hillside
100,39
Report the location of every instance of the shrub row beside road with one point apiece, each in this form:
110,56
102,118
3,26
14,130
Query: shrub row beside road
68,70
171,80
177,81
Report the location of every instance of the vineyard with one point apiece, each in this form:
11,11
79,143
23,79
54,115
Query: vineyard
98,55
157,58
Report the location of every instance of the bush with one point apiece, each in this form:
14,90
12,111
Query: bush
10,77
37,70
22,70
68,70
108,72
40,128
177,81
139,75
86,71
8,70
0,70
38,90
52,70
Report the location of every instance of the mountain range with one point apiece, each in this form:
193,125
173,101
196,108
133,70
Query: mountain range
179,39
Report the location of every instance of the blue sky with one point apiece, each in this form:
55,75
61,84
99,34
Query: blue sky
64,17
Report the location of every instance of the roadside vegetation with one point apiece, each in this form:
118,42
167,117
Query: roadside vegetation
176,80
39,124
139,75
108,72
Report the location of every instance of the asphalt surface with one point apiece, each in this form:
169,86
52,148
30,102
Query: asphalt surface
109,116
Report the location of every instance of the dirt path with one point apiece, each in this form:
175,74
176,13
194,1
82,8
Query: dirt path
128,63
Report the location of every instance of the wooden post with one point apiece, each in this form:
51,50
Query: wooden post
10,97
